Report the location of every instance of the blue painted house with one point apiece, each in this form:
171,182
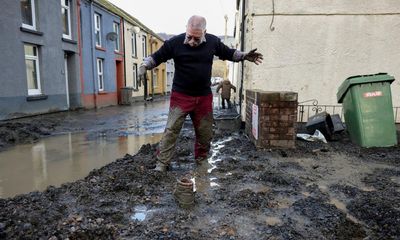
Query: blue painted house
102,55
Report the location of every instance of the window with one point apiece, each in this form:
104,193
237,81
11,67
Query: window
97,29
135,76
28,14
66,18
32,69
134,54
100,73
144,46
116,30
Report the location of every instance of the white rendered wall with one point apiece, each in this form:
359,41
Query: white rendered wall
317,44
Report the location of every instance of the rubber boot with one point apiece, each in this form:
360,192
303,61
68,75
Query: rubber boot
183,193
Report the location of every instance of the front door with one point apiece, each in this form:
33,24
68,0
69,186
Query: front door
120,78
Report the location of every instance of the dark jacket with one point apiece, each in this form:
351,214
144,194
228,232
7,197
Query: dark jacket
226,86
192,64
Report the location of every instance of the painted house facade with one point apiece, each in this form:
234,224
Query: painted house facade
311,47
139,42
102,55
66,54
40,57
158,75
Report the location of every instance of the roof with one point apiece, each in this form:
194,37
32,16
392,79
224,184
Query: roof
126,16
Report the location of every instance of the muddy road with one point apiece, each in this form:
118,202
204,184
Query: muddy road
137,119
316,191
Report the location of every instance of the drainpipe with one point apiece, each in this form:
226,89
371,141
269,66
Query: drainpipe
94,60
79,34
123,44
242,49
152,74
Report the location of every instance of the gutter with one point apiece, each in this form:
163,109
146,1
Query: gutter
242,49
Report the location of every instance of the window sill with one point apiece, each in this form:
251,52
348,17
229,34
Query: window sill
102,93
36,97
100,48
69,41
119,53
31,31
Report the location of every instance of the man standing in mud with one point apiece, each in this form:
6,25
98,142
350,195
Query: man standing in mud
193,54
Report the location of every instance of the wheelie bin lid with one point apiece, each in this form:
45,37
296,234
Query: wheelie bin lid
361,79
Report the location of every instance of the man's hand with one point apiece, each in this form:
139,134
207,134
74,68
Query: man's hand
254,56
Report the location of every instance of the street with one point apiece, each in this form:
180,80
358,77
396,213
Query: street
315,191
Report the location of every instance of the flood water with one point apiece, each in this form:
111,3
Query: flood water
60,159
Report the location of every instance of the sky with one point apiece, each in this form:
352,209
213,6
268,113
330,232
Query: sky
170,16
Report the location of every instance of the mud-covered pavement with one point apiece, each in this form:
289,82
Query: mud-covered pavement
316,191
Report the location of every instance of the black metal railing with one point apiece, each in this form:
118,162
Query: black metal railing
311,107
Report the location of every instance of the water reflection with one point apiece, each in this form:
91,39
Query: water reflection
61,159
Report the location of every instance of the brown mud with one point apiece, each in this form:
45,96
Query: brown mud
316,191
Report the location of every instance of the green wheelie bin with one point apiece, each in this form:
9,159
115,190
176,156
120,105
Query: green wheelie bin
368,109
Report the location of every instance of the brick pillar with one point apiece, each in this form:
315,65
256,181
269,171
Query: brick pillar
277,117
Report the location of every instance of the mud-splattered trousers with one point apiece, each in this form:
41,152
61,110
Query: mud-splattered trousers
200,111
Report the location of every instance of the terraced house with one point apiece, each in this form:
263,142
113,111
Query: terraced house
39,57
102,55
139,42
65,54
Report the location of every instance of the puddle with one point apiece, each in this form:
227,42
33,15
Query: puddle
60,159
140,213
213,159
203,184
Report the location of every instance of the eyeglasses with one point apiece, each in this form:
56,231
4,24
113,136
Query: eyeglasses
196,39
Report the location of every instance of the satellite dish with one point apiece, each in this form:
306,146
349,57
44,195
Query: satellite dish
112,36
136,29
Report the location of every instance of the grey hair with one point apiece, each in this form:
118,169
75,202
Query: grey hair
197,22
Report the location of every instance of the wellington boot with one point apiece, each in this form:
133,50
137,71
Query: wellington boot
183,193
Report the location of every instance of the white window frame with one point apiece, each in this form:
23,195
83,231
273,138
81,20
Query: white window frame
68,9
33,9
37,91
134,46
144,46
97,28
117,41
135,76
100,74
